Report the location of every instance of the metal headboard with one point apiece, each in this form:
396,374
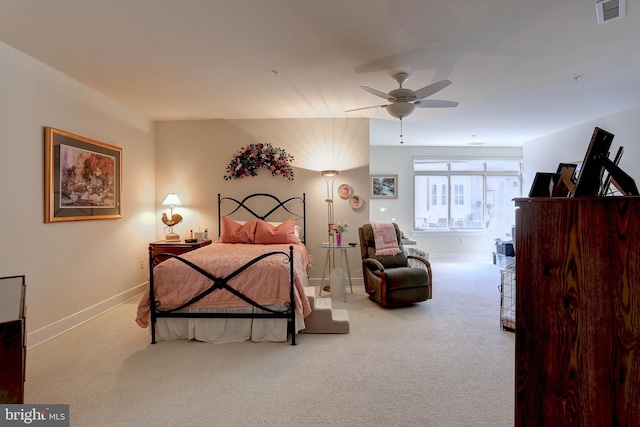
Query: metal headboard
277,206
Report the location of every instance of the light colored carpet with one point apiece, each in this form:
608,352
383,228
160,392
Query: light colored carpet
440,363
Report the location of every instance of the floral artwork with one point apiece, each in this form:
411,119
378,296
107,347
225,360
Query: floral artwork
384,186
83,178
86,178
256,156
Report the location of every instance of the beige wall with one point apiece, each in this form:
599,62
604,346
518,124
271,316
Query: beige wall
570,145
192,157
74,270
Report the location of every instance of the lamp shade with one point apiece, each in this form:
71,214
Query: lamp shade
171,200
401,109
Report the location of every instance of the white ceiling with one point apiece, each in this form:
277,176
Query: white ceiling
513,63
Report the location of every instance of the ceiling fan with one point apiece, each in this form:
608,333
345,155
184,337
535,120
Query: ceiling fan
402,101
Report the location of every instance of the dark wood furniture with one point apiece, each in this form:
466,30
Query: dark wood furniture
578,311
12,339
175,248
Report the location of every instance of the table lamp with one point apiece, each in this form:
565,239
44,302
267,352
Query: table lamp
171,200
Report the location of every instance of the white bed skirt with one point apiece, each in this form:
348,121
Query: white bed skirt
219,330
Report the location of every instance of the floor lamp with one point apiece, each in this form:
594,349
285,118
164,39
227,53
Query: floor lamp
329,178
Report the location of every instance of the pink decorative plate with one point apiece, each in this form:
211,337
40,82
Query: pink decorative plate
345,191
355,202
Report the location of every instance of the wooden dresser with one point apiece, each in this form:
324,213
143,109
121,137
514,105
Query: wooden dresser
12,339
578,311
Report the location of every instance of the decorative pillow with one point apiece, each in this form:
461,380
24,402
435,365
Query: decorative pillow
297,228
233,232
267,234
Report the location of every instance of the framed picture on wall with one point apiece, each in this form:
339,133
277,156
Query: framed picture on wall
384,186
83,178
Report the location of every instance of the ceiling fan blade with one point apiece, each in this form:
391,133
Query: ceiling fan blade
377,93
434,103
431,89
365,108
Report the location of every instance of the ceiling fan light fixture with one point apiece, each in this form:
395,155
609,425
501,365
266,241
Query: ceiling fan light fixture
404,101
400,109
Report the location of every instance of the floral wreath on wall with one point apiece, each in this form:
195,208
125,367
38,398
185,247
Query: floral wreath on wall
255,156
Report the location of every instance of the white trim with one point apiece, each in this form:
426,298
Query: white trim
452,232
357,281
61,326
461,257
458,159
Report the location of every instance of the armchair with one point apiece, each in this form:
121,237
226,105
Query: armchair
389,280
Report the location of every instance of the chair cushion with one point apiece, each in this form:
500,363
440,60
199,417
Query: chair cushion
388,261
404,277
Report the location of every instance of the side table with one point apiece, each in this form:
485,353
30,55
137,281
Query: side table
344,261
175,248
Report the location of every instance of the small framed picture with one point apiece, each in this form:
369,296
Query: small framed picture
384,186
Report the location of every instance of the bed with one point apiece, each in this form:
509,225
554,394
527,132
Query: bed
247,285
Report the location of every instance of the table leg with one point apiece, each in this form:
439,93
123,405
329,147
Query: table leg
324,269
346,258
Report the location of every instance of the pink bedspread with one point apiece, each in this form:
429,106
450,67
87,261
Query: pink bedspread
266,282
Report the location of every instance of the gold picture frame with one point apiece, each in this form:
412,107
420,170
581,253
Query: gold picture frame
83,178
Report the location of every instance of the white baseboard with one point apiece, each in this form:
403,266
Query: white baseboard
460,257
48,332
356,281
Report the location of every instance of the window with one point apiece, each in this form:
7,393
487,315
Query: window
474,195
458,194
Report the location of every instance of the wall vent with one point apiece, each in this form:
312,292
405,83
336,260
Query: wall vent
608,10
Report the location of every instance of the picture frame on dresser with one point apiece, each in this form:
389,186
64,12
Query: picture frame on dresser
83,178
384,186
596,162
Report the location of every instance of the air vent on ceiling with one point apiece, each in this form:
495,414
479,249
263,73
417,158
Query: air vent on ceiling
608,10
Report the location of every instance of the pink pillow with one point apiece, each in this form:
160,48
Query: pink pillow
267,234
232,232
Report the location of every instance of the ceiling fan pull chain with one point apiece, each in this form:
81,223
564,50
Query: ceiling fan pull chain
401,141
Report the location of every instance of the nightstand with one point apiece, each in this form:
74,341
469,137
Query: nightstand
175,248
